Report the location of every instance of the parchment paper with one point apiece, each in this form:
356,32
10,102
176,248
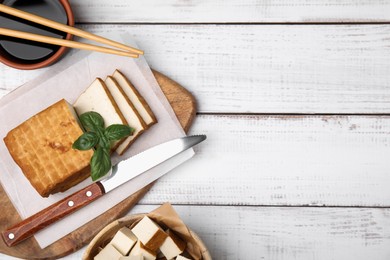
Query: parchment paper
68,79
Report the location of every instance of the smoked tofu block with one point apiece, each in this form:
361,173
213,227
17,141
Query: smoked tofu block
129,112
149,233
138,101
42,147
140,250
97,98
108,252
172,246
124,240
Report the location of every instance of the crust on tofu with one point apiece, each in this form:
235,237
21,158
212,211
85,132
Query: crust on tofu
97,98
129,111
42,147
136,98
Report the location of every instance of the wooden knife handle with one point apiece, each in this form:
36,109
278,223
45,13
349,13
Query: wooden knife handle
44,218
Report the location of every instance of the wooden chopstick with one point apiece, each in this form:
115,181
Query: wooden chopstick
65,28
62,42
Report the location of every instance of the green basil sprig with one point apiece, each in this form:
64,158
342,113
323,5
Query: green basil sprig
100,138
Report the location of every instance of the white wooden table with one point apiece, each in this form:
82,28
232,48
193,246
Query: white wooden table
294,97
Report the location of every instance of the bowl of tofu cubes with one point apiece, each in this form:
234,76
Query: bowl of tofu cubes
138,237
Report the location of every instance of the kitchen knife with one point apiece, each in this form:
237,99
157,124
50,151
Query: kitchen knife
120,174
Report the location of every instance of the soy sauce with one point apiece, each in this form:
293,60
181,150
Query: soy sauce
29,51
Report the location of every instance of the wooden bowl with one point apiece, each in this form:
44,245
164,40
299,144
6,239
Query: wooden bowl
107,233
18,63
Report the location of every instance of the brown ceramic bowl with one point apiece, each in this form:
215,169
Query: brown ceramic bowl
54,54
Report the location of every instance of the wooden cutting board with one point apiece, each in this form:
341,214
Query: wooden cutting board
184,107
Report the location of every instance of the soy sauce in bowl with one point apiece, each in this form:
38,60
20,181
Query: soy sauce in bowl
24,54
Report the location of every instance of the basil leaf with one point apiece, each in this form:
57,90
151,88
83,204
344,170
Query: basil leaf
86,141
104,142
92,121
100,163
117,132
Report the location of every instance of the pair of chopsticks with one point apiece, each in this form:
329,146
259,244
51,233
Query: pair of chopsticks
124,49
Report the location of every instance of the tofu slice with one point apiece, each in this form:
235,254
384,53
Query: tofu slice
180,257
128,110
135,97
97,98
172,246
149,233
140,250
124,240
108,252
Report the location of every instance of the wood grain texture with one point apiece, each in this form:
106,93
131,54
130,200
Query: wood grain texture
265,68
286,233
230,11
283,160
75,240
247,67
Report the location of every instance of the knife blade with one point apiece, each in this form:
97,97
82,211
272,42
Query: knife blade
120,174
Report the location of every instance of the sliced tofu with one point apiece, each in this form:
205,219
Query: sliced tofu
139,102
140,250
149,233
97,98
172,246
108,252
180,257
124,240
128,110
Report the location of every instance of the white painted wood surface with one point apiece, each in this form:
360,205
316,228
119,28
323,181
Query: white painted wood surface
269,184
231,11
265,68
284,160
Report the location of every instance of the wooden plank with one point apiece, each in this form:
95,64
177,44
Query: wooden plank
231,11
287,233
265,68
283,160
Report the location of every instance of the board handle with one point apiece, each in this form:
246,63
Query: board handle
44,218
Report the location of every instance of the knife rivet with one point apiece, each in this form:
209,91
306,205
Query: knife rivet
88,193
70,203
11,236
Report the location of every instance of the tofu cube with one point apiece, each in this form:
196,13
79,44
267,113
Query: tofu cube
132,257
172,246
108,252
140,249
124,240
150,234
180,257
